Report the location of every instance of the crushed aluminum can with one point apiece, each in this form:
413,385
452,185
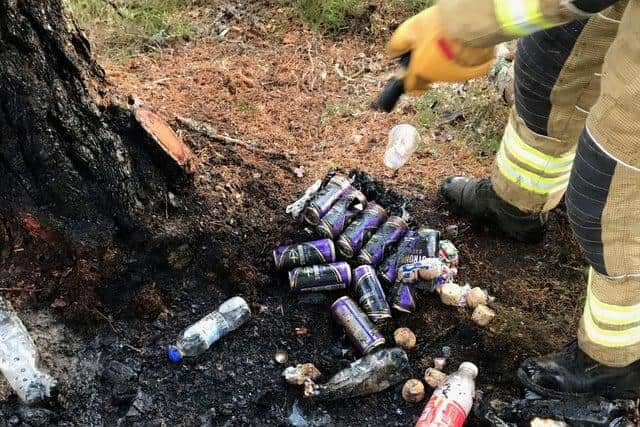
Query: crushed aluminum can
361,332
325,198
351,240
341,213
320,277
321,251
388,270
424,246
402,298
370,293
379,244
448,253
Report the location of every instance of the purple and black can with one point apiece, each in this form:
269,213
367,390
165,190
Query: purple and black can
325,198
300,255
424,246
320,277
370,293
362,333
351,240
379,244
402,298
349,206
388,270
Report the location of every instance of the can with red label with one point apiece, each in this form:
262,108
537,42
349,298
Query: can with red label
451,402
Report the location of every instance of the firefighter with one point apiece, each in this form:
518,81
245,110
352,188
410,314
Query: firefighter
574,131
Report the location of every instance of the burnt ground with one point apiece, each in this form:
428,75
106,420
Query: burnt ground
296,99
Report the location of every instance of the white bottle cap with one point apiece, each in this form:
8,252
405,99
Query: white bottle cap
469,368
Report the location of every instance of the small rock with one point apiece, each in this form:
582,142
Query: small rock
281,357
299,374
117,372
434,377
141,404
413,391
302,332
405,338
452,230
483,315
439,363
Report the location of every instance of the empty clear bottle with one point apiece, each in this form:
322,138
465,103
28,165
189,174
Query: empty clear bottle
451,402
404,140
197,338
19,358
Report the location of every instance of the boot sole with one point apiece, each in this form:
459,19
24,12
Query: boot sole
554,394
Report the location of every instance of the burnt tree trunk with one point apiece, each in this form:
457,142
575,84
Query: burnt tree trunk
71,161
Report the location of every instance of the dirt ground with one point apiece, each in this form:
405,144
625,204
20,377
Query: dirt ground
300,102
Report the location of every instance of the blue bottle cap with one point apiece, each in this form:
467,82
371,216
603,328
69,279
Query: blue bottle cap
174,354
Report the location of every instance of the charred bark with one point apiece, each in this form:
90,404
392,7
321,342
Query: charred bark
76,165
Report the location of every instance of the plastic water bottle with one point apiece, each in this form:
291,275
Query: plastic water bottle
451,402
404,140
197,338
19,358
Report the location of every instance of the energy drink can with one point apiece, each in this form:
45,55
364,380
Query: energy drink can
341,213
370,294
379,244
402,298
361,332
388,270
424,246
299,255
325,198
320,277
351,240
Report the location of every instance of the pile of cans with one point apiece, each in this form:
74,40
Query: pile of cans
361,248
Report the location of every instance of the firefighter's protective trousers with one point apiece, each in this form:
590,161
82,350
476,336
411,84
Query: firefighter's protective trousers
575,131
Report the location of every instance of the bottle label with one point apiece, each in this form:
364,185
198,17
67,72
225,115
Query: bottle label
442,412
211,328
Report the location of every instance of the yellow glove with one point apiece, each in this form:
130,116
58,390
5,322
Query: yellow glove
435,57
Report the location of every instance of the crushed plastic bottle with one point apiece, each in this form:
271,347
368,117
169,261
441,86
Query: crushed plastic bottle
371,374
404,140
197,338
451,402
19,358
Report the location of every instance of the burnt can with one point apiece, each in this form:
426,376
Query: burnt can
321,251
343,211
402,298
370,294
425,246
320,277
351,240
361,332
388,270
325,198
382,240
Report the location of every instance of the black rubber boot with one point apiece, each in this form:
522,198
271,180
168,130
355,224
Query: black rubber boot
476,199
571,373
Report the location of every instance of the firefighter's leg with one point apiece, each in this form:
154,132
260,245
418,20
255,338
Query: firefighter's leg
557,80
603,205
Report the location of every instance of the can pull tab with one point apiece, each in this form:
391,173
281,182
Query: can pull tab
394,88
